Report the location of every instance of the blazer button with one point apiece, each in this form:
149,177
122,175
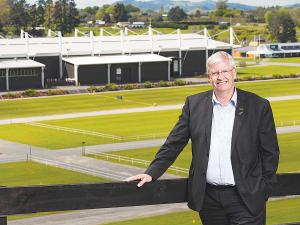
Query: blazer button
207,154
204,174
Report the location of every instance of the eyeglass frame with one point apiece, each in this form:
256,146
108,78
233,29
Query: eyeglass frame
224,72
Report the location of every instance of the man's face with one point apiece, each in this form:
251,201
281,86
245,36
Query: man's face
223,82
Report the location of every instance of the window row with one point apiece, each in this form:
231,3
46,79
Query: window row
20,72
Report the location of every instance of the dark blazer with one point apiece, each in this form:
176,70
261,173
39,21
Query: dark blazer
254,148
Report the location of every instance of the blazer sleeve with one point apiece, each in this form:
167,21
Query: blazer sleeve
173,146
268,147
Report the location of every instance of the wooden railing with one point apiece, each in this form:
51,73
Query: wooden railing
47,198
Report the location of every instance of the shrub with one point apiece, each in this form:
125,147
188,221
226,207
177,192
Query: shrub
178,82
242,64
257,78
292,75
210,27
276,76
111,87
162,84
51,92
135,86
93,89
10,95
263,77
30,92
147,84
128,86
286,76
223,27
247,78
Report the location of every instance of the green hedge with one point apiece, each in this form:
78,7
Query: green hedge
169,25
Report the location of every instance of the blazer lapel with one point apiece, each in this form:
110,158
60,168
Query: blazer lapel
239,116
208,117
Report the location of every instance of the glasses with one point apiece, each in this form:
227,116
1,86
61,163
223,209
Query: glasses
224,72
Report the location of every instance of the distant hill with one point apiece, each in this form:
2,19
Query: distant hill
186,5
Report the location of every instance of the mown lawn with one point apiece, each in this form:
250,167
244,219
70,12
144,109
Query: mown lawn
121,125
132,99
286,60
246,59
278,212
267,70
288,145
31,173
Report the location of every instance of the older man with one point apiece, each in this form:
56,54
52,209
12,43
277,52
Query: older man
234,147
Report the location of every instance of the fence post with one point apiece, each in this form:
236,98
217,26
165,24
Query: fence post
132,161
119,158
153,136
138,137
282,124
107,156
294,122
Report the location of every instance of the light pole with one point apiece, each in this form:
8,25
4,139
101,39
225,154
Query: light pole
83,148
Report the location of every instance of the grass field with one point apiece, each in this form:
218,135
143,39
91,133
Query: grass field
267,70
288,144
246,59
132,99
31,173
124,125
286,60
276,214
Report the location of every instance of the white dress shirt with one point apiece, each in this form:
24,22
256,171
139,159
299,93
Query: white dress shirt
219,170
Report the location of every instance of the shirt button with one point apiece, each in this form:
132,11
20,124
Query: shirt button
207,154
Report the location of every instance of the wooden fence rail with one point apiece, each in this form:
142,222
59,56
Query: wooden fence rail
47,198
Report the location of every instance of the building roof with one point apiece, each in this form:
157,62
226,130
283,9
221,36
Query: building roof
10,48
19,63
116,59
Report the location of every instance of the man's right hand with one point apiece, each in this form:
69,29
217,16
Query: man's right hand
145,178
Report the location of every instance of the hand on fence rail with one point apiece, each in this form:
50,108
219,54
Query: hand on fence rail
145,178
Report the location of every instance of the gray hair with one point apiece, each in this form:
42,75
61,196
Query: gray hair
218,57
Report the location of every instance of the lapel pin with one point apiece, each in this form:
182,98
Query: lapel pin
241,109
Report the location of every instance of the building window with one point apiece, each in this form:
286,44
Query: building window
2,73
175,65
24,72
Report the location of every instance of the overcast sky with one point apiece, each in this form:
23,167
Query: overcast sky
84,3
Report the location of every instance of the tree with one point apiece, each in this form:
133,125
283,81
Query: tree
4,11
221,4
66,15
149,11
49,12
280,25
19,15
120,13
106,18
130,8
101,11
161,10
176,14
288,32
197,13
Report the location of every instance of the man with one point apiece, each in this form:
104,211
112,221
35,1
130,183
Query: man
234,147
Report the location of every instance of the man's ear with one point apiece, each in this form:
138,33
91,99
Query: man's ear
207,74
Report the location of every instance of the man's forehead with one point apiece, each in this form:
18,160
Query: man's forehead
222,64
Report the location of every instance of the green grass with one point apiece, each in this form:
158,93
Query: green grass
288,144
124,125
246,59
31,173
286,60
278,212
132,99
267,70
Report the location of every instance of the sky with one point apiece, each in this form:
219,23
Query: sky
84,3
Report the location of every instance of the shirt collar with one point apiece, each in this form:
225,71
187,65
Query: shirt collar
233,99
